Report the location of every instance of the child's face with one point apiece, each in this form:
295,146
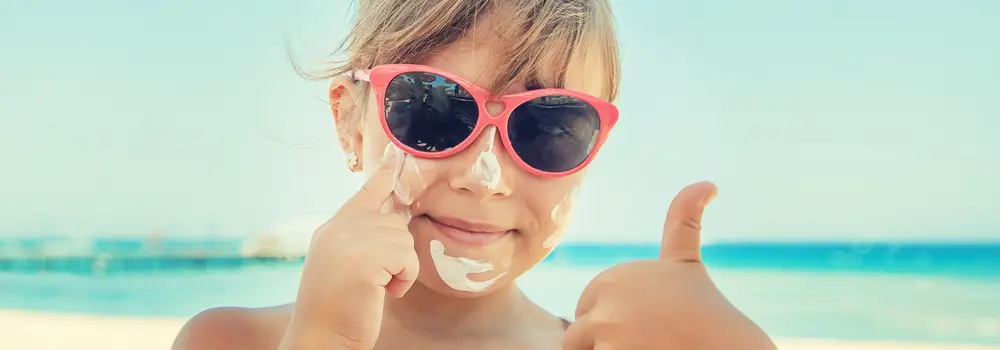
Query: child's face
481,186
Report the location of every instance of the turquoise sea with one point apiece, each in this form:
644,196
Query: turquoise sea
871,291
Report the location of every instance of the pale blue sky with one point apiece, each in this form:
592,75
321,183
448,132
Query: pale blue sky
830,120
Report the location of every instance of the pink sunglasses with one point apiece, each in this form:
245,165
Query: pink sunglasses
431,113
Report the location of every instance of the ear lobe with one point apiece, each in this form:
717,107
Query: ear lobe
343,96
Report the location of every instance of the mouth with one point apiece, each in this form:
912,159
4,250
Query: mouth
467,233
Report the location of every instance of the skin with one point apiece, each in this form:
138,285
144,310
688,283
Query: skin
430,315
667,303
369,282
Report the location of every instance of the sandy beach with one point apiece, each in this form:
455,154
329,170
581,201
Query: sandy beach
54,331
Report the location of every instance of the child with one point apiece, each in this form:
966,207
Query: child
474,121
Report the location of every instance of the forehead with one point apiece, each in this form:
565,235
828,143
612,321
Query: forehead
472,57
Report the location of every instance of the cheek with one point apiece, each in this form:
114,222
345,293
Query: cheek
554,201
413,177
560,216
373,141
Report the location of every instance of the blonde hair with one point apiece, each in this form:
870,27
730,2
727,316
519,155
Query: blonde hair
541,37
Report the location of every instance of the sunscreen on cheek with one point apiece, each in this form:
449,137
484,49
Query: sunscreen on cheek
408,182
559,216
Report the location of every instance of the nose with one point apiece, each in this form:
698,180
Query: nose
489,173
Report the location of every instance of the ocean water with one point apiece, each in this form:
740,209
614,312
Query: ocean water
909,292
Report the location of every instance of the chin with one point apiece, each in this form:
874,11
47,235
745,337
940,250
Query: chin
449,291
434,284
472,285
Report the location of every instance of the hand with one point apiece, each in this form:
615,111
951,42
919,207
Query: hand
669,303
354,259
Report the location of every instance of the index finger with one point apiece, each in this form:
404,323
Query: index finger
378,188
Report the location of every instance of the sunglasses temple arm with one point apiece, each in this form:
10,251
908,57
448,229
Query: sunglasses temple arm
361,75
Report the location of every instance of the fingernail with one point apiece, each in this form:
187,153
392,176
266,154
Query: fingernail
708,199
389,152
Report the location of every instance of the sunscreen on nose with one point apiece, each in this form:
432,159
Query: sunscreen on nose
487,166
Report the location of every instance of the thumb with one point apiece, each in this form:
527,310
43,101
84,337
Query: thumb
378,187
682,230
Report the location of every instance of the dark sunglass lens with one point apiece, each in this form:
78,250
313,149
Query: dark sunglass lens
554,133
429,112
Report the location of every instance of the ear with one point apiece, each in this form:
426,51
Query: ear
344,96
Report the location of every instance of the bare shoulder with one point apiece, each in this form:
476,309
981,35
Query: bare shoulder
234,328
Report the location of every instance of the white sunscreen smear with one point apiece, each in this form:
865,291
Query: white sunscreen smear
553,239
454,271
406,166
557,215
487,166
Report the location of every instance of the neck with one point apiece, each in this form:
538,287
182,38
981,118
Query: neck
425,311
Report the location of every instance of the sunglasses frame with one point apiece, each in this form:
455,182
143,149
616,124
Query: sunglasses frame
380,76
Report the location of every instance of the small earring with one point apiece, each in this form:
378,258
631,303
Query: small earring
352,161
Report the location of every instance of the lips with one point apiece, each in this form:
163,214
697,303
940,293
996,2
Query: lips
467,233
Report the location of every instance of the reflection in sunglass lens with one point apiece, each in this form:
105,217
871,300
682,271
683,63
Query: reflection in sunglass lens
554,133
429,112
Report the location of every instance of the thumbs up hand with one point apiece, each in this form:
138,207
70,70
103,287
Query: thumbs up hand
664,304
